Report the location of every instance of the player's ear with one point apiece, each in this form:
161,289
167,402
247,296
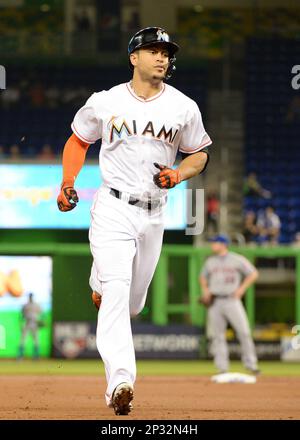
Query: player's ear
134,58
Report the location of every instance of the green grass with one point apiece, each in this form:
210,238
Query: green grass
95,367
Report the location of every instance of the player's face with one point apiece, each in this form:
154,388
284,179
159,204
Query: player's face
152,62
217,247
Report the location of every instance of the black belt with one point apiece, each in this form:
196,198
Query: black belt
221,296
133,201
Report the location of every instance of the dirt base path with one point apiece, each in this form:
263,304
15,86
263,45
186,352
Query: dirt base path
163,397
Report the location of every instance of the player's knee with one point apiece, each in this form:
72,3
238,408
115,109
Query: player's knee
134,311
219,337
243,335
95,284
119,289
115,294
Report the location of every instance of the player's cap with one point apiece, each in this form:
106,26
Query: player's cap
221,238
152,35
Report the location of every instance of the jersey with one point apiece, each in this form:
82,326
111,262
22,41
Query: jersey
31,312
137,132
269,221
225,273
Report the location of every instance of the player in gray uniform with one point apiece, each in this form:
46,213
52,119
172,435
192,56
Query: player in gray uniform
224,280
31,313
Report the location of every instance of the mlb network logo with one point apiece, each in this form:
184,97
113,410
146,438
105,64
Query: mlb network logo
2,78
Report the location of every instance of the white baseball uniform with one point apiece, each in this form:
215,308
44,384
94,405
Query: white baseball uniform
126,238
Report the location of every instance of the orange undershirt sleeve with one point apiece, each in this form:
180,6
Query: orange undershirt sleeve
73,159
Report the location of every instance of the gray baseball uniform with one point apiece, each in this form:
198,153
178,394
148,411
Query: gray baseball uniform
224,275
31,313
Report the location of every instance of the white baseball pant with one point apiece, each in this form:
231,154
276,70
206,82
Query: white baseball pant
125,242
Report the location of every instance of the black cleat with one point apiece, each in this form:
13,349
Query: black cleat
121,399
255,371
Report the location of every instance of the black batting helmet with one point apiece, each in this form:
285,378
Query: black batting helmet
154,35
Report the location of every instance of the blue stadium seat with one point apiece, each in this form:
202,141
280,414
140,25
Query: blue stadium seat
271,142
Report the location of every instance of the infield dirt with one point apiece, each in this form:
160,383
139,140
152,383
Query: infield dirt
162,397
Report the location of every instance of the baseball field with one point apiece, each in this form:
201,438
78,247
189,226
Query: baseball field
73,390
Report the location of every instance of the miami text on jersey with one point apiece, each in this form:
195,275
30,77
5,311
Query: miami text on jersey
120,128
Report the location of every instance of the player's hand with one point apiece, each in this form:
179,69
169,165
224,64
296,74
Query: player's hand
206,299
239,293
167,177
67,199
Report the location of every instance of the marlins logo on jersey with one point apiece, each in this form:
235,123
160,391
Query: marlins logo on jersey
120,128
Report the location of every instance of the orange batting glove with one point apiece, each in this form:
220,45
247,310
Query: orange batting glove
167,177
67,198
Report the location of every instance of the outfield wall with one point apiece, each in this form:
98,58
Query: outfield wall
169,300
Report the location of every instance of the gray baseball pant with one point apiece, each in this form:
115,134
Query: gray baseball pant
220,313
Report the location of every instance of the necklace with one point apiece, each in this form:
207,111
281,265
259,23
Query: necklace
140,96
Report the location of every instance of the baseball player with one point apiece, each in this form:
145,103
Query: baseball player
31,313
224,280
142,124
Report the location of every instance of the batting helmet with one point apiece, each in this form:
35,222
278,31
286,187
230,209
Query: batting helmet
154,35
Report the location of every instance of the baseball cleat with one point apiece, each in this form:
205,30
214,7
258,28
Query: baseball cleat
96,298
255,371
121,399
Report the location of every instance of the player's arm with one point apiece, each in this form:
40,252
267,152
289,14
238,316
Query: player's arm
247,282
73,159
193,143
204,284
206,297
193,164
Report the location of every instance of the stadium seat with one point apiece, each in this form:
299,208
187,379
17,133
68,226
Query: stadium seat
271,143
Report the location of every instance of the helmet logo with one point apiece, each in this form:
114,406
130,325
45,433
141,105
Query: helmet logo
162,36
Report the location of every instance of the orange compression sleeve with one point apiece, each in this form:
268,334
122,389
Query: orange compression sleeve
73,159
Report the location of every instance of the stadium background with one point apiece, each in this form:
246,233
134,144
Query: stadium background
236,61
